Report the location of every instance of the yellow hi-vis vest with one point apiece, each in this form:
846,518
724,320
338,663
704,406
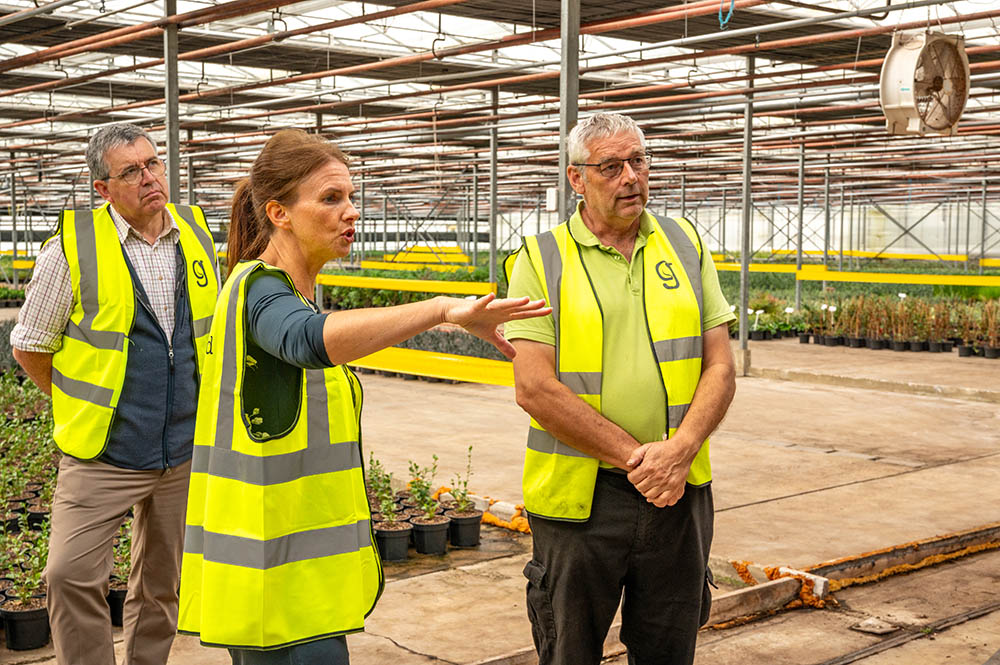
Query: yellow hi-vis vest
558,480
278,547
88,371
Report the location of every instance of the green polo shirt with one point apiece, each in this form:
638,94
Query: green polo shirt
631,397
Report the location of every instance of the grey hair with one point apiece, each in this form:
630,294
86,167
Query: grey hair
599,126
108,138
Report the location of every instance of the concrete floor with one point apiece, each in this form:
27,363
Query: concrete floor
806,470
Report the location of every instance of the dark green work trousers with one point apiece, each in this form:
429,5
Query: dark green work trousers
657,557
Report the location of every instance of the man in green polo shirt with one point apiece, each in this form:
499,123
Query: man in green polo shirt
624,382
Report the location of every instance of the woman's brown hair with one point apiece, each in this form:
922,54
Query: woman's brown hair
288,157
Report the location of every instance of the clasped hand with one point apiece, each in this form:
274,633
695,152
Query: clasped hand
659,470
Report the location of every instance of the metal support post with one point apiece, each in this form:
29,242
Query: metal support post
569,93
475,214
826,220
744,365
982,237
722,223
361,220
840,238
13,215
850,232
190,171
968,225
171,92
93,193
385,224
494,208
683,195
802,213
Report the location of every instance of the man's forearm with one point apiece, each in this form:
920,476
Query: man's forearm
574,422
38,367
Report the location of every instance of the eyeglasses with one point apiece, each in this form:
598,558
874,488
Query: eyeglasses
133,174
612,168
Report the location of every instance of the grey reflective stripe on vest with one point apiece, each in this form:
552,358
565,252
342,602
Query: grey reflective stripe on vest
582,383
688,255
552,266
542,442
86,252
82,390
277,469
202,327
224,418
99,339
681,348
676,413
187,214
265,554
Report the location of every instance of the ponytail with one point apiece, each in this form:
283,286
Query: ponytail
248,236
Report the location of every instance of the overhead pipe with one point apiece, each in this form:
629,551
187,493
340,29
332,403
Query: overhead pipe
34,11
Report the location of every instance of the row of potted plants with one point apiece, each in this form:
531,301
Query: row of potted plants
899,323
428,519
11,297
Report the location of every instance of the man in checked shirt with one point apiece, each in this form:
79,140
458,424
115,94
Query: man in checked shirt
114,328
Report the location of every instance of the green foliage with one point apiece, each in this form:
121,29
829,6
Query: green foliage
349,297
7,362
122,562
422,487
10,293
460,485
30,552
454,341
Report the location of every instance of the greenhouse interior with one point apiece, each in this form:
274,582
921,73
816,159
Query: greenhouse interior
839,161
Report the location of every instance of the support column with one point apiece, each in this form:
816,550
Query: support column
385,224
569,93
802,212
361,220
743,362
840,239
982,236
826,220
684,197
171,92
475,214
722,223
494,208
190,171
968,225
13,215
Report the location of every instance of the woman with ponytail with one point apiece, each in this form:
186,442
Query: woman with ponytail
279,560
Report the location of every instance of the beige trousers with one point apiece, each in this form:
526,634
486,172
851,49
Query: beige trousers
91,498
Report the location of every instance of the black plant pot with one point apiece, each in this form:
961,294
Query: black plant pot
393,544
26,629
916,346
463,530
430,538
831,340
875,344
964,351
934,347
757,335
856,342
900,346
116,605
992,352
803,338
946,347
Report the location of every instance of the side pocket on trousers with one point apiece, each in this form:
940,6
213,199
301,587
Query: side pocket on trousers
706,597
543,621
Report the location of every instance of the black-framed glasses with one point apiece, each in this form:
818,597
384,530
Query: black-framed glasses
612,168
133,174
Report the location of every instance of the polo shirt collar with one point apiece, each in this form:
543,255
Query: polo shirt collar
586,237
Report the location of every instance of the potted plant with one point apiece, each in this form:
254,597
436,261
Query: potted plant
392,535
902,326
466,521
121,566
430,530
969,329
25,617
991,328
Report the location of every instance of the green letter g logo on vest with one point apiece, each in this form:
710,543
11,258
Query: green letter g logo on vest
666,272
198,268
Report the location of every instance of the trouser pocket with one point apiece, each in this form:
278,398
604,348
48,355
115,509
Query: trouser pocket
706,597
543,621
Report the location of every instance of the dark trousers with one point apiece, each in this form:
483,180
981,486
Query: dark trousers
657,556
329,651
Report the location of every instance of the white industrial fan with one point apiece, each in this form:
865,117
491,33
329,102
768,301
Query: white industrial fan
924,83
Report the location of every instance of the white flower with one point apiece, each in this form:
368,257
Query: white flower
823,306
732,308
749,310
789,310
833,308
759,311
901,295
